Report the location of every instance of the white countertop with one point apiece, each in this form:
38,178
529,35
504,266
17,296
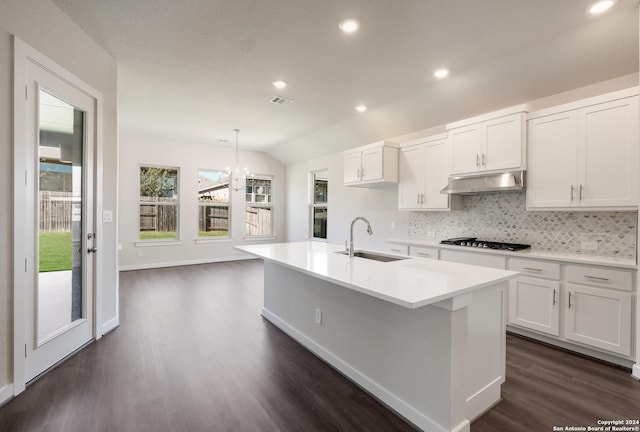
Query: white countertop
627,263
412,282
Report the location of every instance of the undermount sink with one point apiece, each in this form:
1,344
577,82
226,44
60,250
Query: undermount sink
373,256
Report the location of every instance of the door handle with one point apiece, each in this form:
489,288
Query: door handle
554,297
569,299
92,250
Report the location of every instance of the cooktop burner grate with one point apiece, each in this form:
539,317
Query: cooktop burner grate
484,244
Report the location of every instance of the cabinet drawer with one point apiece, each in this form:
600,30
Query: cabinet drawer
535,268
479,259
609,278
398,249
423,252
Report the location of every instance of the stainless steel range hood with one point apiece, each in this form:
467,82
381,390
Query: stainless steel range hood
490,182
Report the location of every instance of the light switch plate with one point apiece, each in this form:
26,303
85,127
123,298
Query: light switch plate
107,216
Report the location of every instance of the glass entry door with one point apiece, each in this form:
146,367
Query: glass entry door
60,302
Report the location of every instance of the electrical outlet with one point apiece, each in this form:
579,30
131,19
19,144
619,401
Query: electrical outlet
589,245
139,252
393,225
318,316
431,234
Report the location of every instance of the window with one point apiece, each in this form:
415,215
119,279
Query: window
319,200
158,203
259,206
214,208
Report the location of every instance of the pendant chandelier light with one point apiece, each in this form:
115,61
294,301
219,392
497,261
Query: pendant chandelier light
237,176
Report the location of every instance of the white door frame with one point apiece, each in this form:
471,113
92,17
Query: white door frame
23,55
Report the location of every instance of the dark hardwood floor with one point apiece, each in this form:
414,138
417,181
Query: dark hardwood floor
193,354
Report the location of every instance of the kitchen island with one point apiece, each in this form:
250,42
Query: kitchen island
425,337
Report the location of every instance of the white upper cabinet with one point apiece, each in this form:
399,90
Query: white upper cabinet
491,142
586,154
423,174
371,165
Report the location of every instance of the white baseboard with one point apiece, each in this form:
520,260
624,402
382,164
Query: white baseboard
376,390
6,394
184,263
110,325
635,371
610,358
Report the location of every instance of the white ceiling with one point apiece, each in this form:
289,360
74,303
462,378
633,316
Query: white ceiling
193,70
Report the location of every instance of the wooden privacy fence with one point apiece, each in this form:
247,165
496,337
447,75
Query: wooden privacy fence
56,209
258,221
214,218
158,214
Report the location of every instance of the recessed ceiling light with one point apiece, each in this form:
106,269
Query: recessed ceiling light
280,84
601,6
441,73
349,25
361,108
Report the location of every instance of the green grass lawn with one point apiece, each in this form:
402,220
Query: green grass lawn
55,251
213,233
157,235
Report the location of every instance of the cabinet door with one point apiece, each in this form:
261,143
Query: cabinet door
465,144
553,165
599,317
534,304
609,133
352,167
412,172
502,143
372,166
436,176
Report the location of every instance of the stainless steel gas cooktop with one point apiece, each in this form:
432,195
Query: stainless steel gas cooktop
484,244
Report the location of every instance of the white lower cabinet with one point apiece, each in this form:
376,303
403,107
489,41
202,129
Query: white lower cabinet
599,317
423,252
534,304
587,305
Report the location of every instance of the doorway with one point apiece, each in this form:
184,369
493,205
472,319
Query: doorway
54,215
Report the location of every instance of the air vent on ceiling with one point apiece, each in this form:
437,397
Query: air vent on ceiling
279,100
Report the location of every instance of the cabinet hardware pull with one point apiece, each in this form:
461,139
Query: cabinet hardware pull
477,159
554,297
417,198
569,299
395,250
424,254
363,172
484,159
597,278
358,173
421,198
572,189
581,188
533,269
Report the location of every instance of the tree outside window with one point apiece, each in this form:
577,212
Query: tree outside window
259,206
158,203
214,208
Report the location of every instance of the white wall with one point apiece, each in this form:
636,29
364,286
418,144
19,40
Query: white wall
189,157
379,205
42,25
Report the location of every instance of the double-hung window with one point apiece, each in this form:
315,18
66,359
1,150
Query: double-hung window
158,203
319,205
259,206
214,205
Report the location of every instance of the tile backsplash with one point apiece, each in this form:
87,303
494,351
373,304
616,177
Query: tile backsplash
503,217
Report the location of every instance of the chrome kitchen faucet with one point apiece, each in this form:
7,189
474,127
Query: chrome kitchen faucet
350,249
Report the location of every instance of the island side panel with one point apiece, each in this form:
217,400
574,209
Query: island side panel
402,356
486,370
